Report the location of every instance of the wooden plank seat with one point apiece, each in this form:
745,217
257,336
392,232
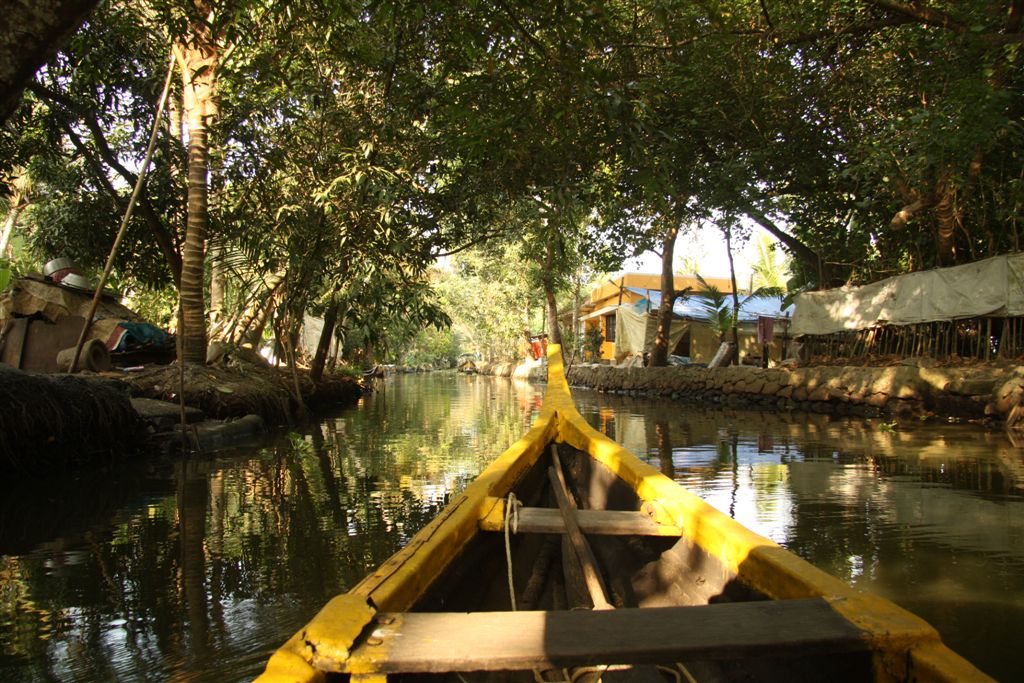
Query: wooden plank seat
597,522
413,642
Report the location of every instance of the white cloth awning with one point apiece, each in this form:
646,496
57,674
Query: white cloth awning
992,287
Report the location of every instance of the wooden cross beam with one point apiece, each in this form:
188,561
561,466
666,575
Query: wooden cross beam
415,642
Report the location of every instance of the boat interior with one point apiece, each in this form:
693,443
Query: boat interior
609,609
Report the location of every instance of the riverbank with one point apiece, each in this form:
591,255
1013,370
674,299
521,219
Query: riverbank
244,388
529,370
50,421
57,420
976,392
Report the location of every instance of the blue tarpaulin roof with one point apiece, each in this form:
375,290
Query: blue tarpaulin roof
692,307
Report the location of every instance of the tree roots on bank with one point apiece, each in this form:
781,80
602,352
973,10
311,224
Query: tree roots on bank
242,388
58,420
49,420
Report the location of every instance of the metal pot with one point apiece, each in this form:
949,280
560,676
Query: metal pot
75,281
56,264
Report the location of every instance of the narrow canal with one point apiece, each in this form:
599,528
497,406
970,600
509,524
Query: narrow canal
197,570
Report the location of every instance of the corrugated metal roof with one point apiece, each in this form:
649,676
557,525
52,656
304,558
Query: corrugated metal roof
692,307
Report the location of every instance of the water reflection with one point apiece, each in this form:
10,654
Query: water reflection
931,517
197,570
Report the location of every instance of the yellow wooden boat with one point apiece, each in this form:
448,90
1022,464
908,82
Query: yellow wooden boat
616,573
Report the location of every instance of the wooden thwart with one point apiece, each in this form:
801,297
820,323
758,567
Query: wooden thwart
596,522
497,641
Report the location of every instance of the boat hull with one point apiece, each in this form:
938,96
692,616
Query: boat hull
686,555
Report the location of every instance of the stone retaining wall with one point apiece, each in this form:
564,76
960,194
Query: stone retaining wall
963,392
530,371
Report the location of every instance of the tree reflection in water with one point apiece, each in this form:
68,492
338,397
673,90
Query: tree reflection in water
930,516
198,569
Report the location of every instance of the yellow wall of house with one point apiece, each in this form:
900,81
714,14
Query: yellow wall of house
703,343
607,347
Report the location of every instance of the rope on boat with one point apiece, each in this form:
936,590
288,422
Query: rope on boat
679,671
686,672
512,506
575,675
671,671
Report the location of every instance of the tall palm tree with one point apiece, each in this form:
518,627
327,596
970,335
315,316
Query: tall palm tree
720,313
770,269
197,56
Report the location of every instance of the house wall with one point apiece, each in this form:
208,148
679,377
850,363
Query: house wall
607,347
703,342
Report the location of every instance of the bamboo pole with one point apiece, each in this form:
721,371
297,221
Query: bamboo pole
127,217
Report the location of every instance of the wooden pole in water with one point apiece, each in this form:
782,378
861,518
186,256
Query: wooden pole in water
988,338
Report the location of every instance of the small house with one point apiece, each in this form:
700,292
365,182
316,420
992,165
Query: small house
625,312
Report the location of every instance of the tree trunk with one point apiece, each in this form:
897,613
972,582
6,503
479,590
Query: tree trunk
32,33
735,301
659,353
551,305
946,222
198,61
218,285
264,314
811,259
256,311
577,301
13,213
369,357
316,369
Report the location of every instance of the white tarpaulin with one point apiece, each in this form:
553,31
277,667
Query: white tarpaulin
635,331
993,287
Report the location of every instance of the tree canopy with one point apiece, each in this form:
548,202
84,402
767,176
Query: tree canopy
343,146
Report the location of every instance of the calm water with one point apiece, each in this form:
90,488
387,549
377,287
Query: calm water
197,570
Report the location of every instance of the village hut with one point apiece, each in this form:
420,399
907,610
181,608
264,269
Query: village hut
626,317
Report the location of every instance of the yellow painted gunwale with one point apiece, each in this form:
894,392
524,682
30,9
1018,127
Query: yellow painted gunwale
906,647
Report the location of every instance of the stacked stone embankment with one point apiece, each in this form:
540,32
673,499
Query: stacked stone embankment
971,392
530,371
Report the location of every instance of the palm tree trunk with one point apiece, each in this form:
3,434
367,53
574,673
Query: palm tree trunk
198,61
17,205
316,369
256,311
192,499
218,286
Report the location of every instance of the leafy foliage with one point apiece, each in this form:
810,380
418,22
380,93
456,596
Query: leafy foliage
357,142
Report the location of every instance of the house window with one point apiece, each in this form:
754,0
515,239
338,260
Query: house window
609,327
